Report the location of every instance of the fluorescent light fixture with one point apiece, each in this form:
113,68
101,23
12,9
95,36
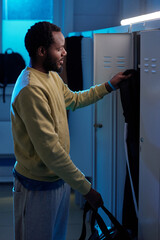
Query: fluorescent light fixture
141,18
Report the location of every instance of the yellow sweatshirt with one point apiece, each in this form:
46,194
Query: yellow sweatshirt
40,127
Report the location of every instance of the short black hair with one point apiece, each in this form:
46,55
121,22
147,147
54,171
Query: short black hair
40,34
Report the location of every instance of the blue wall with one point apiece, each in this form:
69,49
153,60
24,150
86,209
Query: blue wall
17,17
70,15
95,14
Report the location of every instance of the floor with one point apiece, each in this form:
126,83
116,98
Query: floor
6,216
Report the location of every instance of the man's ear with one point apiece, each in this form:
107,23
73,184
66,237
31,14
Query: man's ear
41,51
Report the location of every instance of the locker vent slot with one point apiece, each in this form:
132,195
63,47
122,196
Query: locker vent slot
107,60
121,62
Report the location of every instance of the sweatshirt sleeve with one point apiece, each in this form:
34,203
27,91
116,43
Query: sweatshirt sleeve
32,106
84,98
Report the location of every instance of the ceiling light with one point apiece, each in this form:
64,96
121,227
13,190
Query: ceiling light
142,18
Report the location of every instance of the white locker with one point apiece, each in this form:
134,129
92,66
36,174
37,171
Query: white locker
81,120
149,180
113,53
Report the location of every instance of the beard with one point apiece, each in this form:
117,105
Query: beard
51,65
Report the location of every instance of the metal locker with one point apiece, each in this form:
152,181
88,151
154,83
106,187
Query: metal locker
149,177
81,121
113,53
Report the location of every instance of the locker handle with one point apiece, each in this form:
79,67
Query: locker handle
98,125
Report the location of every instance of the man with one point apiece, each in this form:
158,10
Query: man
44,170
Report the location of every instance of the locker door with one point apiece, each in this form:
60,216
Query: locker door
113,53
81,120
149,181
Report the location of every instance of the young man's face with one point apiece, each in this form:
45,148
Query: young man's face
55,54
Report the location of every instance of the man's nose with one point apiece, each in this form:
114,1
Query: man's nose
64,52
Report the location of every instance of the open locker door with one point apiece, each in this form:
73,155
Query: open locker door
149,175
113,53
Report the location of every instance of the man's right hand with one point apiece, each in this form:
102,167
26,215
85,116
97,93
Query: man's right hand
94,198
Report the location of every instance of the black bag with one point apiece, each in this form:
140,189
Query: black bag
11,65
100,230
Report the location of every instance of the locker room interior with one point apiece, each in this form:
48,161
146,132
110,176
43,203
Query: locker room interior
98,132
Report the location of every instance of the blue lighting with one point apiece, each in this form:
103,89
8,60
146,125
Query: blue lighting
18,16
27,9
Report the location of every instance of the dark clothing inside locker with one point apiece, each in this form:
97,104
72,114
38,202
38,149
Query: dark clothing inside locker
130,98
74,63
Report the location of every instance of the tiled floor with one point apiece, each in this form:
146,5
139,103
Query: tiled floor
6,216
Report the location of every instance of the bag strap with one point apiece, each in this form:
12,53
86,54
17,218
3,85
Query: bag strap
83,233
117,225
129,171
8,51
102,225
5,74
96,217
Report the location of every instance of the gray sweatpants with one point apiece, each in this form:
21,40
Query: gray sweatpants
40,215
